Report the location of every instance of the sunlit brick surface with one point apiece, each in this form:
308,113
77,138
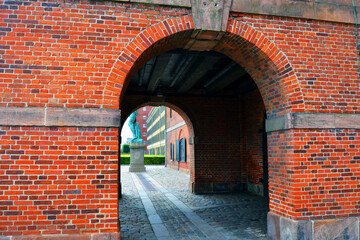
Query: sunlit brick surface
82,54
314,174
58,180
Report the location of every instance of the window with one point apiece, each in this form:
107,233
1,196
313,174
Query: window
144,134
144,109
144,117
170,112
144,125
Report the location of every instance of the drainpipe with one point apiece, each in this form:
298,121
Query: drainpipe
119,165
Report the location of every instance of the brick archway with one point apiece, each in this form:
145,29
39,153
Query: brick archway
65,67
259,56
139,51
267,65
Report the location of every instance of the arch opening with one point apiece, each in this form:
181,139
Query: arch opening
227,115
227,92
161,125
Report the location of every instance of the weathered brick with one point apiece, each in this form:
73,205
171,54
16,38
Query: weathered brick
50,188
299,65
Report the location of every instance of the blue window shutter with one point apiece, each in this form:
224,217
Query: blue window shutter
172,151
177,150
183,150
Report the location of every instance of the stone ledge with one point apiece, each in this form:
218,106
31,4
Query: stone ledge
173,3
57,117
323,10
13,116
82,117
313,121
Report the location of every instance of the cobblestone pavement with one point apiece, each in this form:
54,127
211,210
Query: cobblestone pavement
183,215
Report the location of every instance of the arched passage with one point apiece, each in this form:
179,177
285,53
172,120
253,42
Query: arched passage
278,90
259,56
222,152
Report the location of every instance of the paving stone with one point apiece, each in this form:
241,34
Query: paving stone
134,221
234,216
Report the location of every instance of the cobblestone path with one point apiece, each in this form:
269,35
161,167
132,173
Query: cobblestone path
157,205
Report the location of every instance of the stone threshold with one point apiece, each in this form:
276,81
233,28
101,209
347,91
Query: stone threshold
283,228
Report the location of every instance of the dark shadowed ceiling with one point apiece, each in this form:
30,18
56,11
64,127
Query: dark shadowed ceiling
191,73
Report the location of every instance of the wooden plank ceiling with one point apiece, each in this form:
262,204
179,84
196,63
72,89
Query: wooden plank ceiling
191,73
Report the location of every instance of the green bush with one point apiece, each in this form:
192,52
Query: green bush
148,159
125,148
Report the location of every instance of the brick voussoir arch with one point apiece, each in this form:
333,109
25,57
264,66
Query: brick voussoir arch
134,49
286,80
287,90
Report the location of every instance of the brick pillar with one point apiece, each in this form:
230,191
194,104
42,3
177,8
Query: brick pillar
314,177
59,180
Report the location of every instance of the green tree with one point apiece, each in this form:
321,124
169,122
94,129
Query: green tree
125,148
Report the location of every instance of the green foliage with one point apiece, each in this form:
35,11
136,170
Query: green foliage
125,148
148,159
154,159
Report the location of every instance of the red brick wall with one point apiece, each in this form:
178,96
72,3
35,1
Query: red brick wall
58,180
172,136
82,55
40,39
323,56
252,114
314,174
60,53
217,141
